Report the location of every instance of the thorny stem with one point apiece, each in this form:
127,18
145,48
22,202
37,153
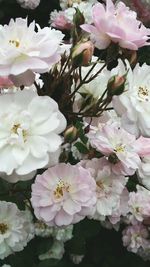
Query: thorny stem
66,64
38,88
83,81
80,73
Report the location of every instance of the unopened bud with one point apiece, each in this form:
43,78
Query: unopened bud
82,53
70,134
116,85
78,18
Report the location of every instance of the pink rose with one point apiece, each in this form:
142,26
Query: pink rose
116,24
63,195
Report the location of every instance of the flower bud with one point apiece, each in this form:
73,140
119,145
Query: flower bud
116,85
70,134
78,18
82,53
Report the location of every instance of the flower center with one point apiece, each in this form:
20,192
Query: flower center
103,186
100,184
61,188
16,43
119,148
143,93
3,228
16,129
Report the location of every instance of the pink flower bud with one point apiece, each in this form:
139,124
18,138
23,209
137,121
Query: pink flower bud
116,85
71,134
82,53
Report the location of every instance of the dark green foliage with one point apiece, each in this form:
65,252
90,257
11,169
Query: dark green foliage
144,55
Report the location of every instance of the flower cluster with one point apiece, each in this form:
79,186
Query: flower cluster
64,19
74,129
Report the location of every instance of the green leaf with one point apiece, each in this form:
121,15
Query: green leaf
81,148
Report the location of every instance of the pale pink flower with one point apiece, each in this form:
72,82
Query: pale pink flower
63,195
123,208
121,148
139,204
109,187
136,237
116,24
59,20
23,50
133,105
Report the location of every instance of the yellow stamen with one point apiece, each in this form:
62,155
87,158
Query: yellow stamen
15,131
60,189
15,42
120,148
3,228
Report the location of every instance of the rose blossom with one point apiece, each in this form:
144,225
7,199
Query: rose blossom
63,195
24,51
139,204
109,187
121,148
69,3
117,24
64,19
85,8
122,209
58,20
134,104
136,237
16,229
29,128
